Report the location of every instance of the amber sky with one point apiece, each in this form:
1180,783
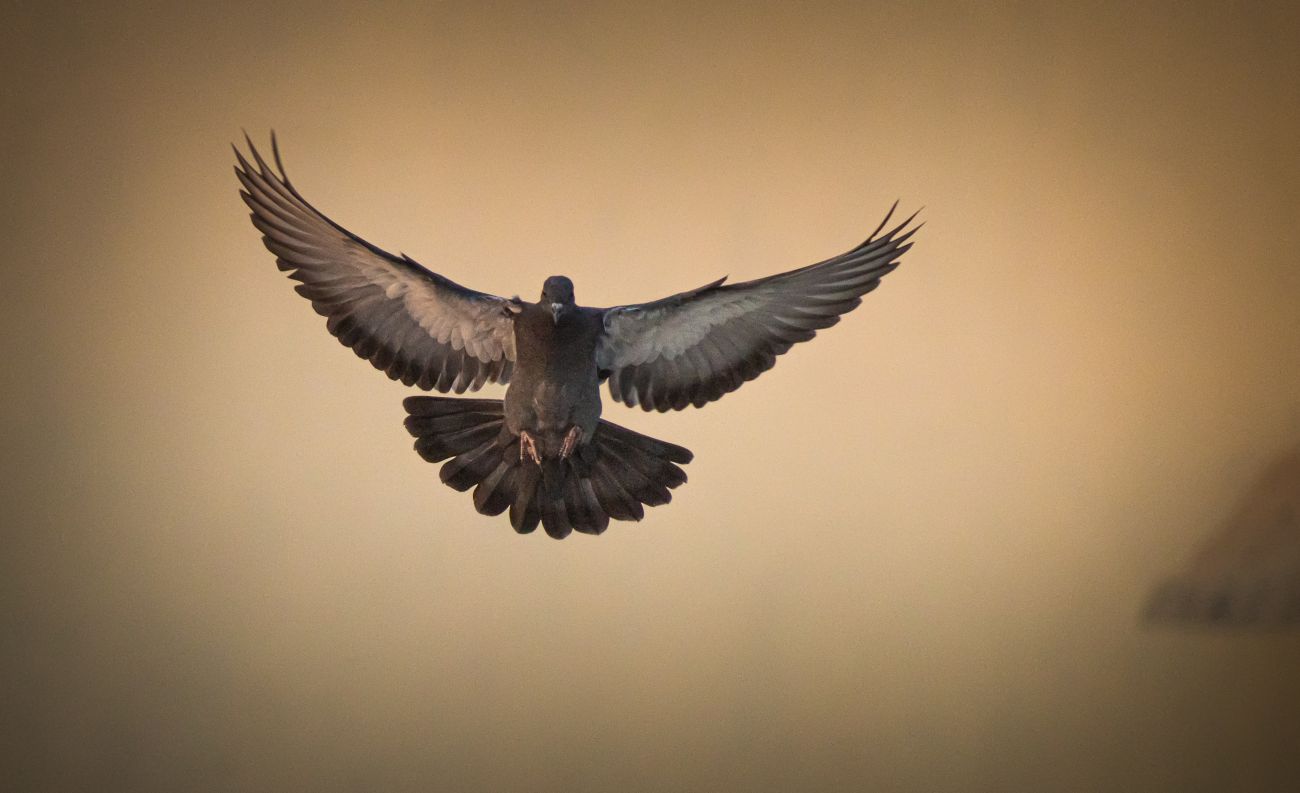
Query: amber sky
909,558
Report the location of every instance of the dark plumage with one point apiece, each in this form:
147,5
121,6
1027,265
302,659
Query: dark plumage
543,453
611,476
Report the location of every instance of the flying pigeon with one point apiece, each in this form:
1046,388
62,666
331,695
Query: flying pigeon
544,453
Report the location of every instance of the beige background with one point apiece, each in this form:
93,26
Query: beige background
909,558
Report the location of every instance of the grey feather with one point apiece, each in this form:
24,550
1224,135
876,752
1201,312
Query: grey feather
694,347
413,324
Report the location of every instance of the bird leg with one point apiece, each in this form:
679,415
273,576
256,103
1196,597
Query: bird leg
528,448
570,442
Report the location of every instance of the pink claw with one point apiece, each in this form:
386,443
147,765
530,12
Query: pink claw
528,448
570,443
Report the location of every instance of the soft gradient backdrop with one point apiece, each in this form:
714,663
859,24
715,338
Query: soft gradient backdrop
910,558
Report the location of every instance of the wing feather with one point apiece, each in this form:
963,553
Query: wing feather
694,347
414,325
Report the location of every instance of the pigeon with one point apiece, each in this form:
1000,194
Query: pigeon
543,453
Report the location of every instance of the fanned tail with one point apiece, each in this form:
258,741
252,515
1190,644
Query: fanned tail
614,476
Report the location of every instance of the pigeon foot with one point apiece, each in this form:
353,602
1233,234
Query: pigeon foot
528,448
570,442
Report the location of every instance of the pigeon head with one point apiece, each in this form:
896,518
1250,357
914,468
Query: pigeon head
557,295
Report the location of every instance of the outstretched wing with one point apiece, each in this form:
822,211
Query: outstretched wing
412,324
693,347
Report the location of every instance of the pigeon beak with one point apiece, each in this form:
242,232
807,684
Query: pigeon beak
556,308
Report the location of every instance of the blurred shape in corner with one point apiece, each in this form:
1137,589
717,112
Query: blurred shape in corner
1248,573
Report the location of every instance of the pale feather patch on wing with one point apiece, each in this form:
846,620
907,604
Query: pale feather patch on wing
693,347
413,324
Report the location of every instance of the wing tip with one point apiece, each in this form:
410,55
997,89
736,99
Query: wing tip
264,168
275,154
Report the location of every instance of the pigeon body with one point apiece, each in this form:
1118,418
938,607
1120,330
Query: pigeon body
555,385
544,453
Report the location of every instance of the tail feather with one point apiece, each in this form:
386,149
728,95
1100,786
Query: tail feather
525,513
641,487
614,498
448,430
615,475
436,448
583,508
432,424
442,406
651,446
555,518
466,470
495,493
656,469
554,473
